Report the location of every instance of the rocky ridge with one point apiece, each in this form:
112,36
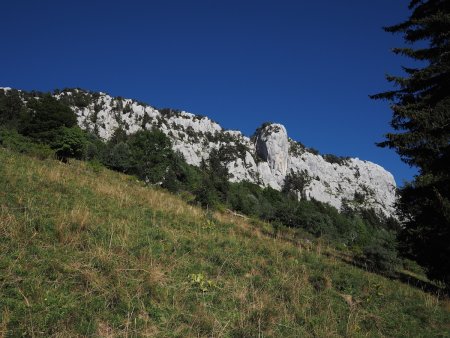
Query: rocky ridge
265,159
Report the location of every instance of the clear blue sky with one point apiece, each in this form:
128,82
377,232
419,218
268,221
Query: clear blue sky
307,64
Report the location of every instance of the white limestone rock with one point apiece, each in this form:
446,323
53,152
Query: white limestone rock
265,159
273,147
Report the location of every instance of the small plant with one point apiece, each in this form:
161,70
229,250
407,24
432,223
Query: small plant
296,148
209,224
359,197
413,267
199,281
375,293
95,165
320,283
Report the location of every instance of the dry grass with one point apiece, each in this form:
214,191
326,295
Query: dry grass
4,323
100,254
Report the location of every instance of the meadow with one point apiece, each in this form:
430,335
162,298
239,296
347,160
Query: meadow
85,251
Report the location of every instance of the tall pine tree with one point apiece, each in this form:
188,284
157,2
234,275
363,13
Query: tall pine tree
421,121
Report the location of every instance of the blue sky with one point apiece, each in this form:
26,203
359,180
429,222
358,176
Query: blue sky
307,64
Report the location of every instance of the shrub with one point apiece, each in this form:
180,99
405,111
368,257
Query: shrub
330,158
313,151
44,118
150,154
296,148
359,197
206,195
246,198
296,182
95,165
11,106
119,157
95,148
180,175
119,135
12,140
412,266
381,253
69,143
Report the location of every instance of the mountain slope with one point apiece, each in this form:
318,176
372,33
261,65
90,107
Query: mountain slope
265,159
87,251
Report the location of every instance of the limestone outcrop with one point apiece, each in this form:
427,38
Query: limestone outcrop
265,159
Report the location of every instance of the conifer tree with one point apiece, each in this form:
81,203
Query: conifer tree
421,122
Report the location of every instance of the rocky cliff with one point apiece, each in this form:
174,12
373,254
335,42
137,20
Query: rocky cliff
265,159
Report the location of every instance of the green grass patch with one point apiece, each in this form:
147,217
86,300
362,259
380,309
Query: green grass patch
89,252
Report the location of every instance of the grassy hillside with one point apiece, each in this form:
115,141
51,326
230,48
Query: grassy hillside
87,251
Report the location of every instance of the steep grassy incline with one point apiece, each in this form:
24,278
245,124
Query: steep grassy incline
88,252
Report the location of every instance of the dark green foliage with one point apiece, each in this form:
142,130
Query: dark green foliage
296,183
181,176
12,140
69,143
330,158
76,97
313,151
206,195
380,253
95,148
218,173
80,99
413,267
146,154
230,152
119,157
359,197
10,108
45,120
426,235
96,165
250,199
44,117
362,231
145,120
119,135
150,155
127,109
421,119
296,148
357,229
259,129
49,122
214,186
169,112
